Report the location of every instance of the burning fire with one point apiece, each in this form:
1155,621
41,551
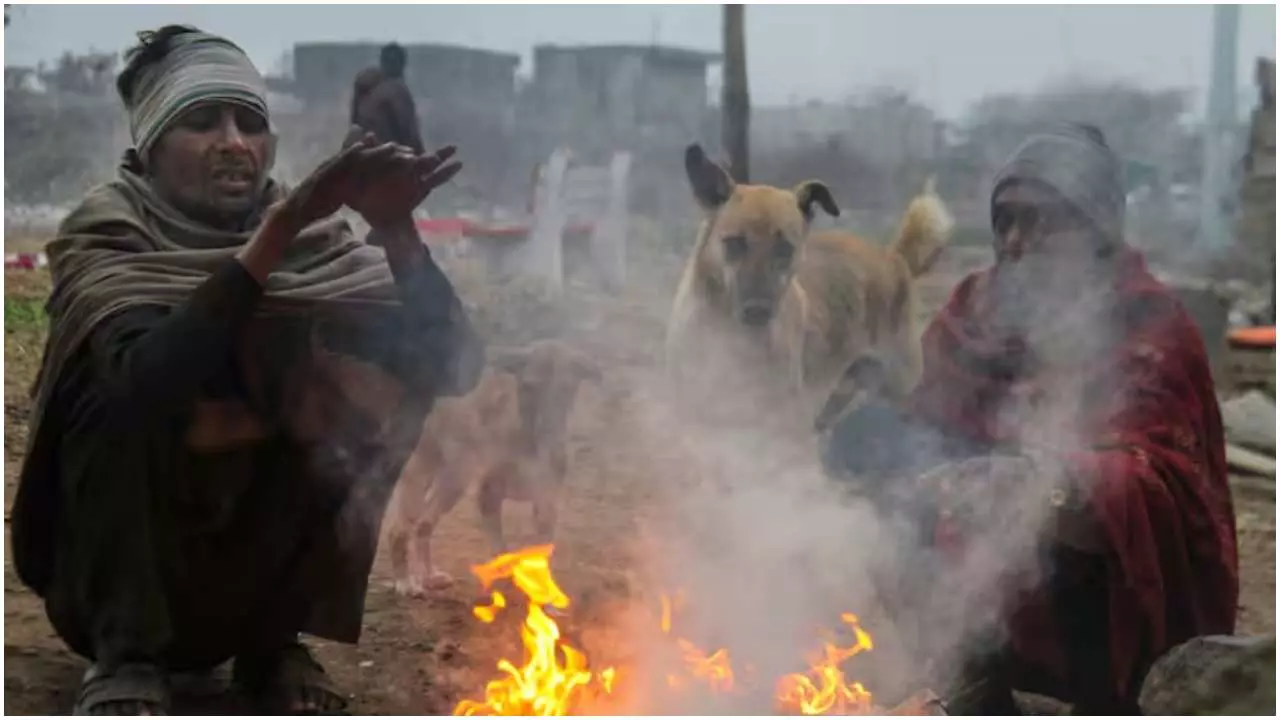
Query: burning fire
555,679
831,694
715,669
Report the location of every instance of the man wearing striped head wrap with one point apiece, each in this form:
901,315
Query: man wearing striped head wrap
230,388
1069,416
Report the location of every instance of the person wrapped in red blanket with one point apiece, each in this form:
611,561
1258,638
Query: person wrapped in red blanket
1067,373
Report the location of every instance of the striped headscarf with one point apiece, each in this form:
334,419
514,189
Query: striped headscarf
198,67
1075,160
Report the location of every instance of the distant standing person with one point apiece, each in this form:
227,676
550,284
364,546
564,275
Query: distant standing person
382,104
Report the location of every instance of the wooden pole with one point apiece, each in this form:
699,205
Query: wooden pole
735,102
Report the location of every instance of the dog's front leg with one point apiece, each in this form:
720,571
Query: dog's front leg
791,340
401,574
788,335
442,496
489,502
546,495
545,514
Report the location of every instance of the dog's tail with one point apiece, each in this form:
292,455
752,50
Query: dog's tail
926,228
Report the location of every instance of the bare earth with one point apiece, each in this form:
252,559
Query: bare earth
421,657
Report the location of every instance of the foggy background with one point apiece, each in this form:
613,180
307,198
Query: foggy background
870,98
947,56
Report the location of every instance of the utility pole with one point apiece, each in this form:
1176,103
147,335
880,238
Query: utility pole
1219,130
735,100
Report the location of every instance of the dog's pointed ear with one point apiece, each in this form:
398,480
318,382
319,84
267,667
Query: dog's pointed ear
815,191
711,183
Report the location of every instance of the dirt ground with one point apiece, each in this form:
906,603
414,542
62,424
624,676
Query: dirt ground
422,656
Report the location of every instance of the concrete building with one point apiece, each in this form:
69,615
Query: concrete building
887,129
786,128
1256,228
602,95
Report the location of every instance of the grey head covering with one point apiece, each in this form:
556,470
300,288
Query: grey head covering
199,67
1075,160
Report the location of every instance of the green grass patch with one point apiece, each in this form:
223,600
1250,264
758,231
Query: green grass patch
24,315
25,328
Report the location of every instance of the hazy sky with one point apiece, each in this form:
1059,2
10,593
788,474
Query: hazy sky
947,55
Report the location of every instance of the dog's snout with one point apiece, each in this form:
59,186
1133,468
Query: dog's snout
756,314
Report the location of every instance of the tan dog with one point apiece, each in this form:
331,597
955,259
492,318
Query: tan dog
507,436
807,304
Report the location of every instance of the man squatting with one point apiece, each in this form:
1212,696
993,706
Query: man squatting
231,386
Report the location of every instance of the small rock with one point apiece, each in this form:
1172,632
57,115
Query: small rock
366,663
1213,675
1043,705
1250,420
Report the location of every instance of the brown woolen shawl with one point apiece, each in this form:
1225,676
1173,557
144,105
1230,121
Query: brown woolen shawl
124,247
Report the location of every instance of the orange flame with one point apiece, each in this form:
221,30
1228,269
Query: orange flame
554,678
823,690
488,613
714,669
542,685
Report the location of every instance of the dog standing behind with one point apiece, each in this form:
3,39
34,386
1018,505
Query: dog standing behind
507,437
806,306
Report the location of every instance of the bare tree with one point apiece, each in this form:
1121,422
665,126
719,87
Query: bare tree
735,104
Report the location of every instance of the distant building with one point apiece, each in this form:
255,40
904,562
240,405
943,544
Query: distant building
608,95
1256,228
787,128
1260,154
21,79
887,129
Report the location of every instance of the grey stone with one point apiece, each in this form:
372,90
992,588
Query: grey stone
1213,675
1250,420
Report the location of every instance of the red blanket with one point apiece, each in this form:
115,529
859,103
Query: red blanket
1154,465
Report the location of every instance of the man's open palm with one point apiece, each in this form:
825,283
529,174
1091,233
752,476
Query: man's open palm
391,189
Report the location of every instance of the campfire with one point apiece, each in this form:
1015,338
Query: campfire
556,678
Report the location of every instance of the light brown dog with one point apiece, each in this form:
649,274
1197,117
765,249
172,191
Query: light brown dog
507,437
803,305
